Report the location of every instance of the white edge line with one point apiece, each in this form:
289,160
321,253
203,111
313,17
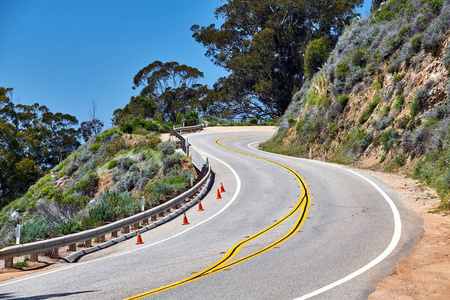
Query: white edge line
236,193
390,248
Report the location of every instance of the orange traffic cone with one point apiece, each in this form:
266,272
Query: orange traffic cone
200,207
185,220
139,239
218,194
222,190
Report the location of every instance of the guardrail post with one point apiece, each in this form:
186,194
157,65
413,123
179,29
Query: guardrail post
126,229
72,247
101,238
35,255
54,253
88,243
9,261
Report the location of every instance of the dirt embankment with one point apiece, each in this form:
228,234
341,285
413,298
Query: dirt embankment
425,273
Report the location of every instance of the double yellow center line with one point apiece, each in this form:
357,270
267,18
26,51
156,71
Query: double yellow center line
302,207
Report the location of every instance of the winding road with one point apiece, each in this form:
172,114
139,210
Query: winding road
285,228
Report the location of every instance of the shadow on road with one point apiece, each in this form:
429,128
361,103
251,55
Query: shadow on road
48,296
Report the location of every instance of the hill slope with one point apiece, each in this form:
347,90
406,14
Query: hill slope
382,99
104,179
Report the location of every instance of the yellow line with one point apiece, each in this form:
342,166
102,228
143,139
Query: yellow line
302,206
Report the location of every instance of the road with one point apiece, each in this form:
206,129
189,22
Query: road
267,238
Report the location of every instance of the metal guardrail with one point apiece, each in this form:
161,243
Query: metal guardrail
201,165
78,237
188,128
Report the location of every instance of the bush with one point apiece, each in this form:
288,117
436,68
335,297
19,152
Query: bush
170,161
398,77
111,133
167,148
128,182
89,186
316,54
34,229
151,170
399,102
102,212
388,139
66,226
138,124
122,202
125,163
403,122
366,141
342,70
400,160
342,100
112,164
368,112
253,121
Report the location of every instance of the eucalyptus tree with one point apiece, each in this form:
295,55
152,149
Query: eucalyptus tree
261,44
174,87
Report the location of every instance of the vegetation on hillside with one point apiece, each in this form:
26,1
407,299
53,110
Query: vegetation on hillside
105,178
382,98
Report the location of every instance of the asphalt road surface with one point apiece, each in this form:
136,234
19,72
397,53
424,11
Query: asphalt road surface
285,228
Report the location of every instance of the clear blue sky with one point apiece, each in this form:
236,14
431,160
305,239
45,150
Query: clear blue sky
65,53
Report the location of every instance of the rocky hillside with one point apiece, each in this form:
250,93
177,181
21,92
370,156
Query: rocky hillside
381,101
104,179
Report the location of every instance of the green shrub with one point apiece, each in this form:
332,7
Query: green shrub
342,70
153,142
151,170
342,100
128,182
366,141
94,147
125,163
34,229
170,162
368,112
316,55
414,107
436,5
167,148
379,83
416,41
398,77
399,102
112,164
253,121
107,134
400,160
137,124
122,202
102,212
402,123
20,264
387,139
66,226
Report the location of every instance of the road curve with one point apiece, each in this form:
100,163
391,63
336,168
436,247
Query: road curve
348,225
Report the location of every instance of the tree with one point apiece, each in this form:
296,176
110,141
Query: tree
93,126
173,86
139,107
32,141
316,54
261,44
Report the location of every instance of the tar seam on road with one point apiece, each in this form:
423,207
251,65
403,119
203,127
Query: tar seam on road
224,263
